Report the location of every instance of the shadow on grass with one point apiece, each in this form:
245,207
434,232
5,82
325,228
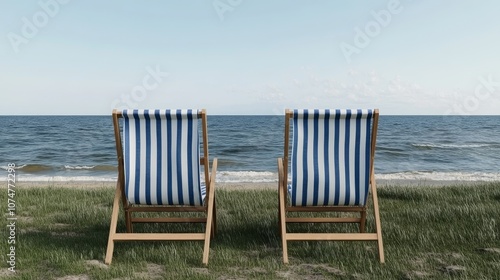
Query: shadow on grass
241,236
78,240
496,197
397,194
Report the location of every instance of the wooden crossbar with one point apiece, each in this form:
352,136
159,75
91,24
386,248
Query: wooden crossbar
331,236
169,220
322,220
157,236
167,209
325,209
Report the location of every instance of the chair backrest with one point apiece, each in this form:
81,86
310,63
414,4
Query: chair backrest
161,156
332,156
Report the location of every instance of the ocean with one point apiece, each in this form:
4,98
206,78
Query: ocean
82,148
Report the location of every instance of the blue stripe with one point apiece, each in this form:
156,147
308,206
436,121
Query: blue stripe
159,152
346,157
169,157
326,141
148,157
137,156
357,157
304,159
336,154
190,156
315,157
294,157
179,158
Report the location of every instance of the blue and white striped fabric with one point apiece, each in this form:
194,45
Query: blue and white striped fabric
161,157
330,162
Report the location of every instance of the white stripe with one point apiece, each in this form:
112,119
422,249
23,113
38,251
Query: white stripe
132,159
321,159
295,153
331,157
352,159
194,164
142,165
310,158
154,160
362,162
342,178
164,155
184,161
300,143
173,153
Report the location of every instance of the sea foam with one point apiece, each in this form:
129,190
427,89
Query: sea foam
270,177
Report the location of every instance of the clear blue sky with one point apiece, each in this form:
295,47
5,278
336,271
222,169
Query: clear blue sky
249,56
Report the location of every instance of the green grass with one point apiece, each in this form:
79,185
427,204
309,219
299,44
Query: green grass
429,233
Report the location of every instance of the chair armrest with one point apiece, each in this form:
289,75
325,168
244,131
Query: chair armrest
373,182
213,172
281,180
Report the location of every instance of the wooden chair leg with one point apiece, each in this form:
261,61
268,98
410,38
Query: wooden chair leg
280,182
378,225
283,225
128,221
214,221
206,247
112,227
210,223
279,207
362,223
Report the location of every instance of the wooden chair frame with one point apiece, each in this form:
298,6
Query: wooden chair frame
284,207
208,207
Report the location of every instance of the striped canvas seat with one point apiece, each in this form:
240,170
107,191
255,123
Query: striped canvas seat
329,154
161,157
330,160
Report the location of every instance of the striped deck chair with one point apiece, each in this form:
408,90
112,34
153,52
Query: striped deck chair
331,168
159,171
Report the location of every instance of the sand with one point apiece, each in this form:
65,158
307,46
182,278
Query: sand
108,184
242,185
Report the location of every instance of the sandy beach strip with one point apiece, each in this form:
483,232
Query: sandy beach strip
240,185
110,184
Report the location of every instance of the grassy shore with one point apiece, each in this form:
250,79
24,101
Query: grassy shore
447,232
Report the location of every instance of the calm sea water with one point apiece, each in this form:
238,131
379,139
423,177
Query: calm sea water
408,147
